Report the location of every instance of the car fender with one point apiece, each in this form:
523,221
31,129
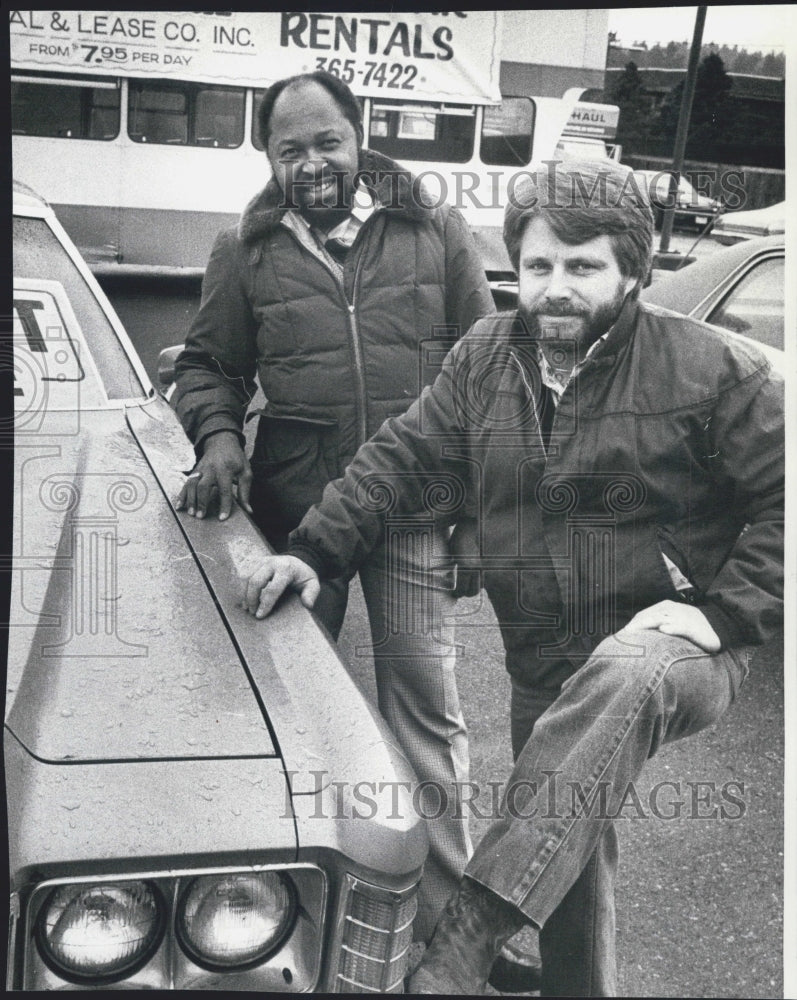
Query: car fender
332,740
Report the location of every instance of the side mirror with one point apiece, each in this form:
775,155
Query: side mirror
166,364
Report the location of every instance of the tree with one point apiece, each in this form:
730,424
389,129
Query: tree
711,108
747,62
628,93
674,56
772,65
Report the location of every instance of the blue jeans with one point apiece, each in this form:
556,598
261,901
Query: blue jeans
553,853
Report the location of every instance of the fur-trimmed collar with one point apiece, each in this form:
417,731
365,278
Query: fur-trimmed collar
391,184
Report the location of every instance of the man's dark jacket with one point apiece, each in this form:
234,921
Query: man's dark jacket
333,360
668,442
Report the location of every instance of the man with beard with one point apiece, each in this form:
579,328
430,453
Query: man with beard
336,273
622,468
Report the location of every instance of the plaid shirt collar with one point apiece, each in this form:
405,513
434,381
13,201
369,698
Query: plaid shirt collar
363,208
557,377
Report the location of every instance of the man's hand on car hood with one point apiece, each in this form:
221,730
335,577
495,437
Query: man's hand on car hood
274,576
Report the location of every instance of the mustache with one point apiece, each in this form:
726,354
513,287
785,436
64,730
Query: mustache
555,309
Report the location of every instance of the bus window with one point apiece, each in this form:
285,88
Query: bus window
157,113
75,108
439,133
219,117
258,97
185,114
507,132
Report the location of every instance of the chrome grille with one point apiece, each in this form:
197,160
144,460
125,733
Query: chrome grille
376,935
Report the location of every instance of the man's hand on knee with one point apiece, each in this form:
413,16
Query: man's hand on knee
274,576
684,620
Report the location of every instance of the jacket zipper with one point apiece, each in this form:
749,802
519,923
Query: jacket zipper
360,402
530,392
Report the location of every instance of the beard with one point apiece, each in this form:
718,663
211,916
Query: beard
570,322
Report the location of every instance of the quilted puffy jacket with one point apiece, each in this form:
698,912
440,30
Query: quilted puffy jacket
334,359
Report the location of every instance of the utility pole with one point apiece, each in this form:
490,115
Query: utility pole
683,129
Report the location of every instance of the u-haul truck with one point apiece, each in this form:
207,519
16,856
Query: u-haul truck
590,132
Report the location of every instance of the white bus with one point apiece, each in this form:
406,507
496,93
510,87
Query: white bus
140,127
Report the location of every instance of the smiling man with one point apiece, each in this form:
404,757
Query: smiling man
338,271
313,148
623,470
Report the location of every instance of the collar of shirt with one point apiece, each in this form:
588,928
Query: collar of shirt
557,379
364,206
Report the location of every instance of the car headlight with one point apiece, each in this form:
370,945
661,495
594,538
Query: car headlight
100,931
236,920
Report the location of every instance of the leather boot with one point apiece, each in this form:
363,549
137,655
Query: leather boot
517,968
469,935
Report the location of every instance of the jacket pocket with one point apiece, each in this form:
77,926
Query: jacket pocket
293,460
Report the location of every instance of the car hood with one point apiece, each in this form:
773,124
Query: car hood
250,711
117,650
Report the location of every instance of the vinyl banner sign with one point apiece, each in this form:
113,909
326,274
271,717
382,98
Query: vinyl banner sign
451,56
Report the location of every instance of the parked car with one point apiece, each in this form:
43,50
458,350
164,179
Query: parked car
692,209
740,288
745,225
197,799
